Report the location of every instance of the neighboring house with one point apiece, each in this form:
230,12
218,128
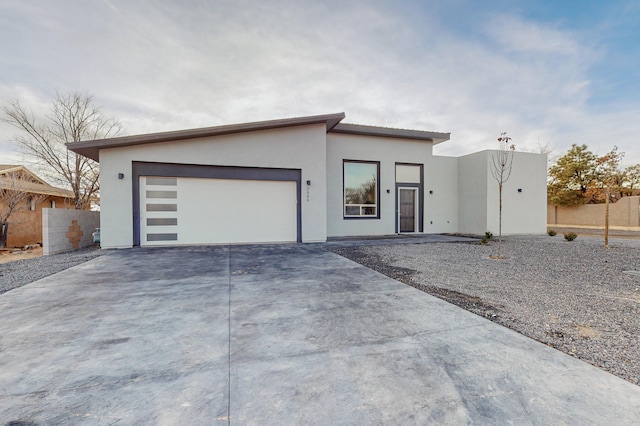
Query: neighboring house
25,226
302,179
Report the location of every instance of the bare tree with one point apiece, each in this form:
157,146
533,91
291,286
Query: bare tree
609,176
14,197
73,118
501,164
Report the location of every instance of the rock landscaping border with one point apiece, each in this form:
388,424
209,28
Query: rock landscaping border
21,272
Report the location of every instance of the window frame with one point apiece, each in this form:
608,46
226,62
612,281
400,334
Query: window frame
377,203
31,203
420,202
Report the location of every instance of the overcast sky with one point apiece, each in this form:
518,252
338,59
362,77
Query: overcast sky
547,72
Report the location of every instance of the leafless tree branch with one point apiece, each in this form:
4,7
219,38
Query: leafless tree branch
14,197
73,118
501,166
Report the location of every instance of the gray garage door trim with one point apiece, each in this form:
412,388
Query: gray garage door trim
210,172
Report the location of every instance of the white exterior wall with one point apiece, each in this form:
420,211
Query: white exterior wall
472,193
441,207
300,147
388,151
522,212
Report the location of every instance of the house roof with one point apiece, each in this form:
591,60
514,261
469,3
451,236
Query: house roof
91,149
5,169
33,184
358,129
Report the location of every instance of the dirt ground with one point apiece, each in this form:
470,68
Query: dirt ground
7,256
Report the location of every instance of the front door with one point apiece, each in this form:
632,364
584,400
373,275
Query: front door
407,213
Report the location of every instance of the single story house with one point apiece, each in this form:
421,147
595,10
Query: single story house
302,179
25,224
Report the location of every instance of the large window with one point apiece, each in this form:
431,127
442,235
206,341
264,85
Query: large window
361,192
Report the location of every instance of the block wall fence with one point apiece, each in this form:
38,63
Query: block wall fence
623,214
64,230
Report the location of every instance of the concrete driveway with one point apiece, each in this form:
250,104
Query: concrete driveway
286,334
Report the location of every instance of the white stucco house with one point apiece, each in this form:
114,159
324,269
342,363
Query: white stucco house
302,179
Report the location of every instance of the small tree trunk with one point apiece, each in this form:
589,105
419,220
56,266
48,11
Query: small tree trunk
500,223
4,228
606,221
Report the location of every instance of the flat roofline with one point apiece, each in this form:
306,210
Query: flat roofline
358,129
91,149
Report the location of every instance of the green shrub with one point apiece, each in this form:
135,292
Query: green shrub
551,232
487,237
570,236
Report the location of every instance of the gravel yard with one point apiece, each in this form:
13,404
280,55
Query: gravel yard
577,297
20,272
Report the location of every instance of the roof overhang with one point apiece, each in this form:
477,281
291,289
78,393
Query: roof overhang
35,186
357,129
91,149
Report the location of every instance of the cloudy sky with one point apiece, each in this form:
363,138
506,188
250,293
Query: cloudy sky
547,72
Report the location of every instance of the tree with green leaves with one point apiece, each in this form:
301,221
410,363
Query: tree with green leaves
572,178
631,180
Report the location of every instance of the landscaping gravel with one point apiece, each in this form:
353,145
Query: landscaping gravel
20,272
576,296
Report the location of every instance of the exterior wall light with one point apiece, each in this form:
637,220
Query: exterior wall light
120,175
308,183
430,191
519,189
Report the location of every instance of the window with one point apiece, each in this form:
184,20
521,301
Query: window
361,192
31,204
408,173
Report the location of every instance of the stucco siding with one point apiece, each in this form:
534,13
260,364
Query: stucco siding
388,151
453,194
472,193
441,207
523,212
301,147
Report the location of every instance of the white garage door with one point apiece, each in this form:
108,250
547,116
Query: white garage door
175,210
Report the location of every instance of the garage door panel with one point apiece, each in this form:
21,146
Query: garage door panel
158,214
215,211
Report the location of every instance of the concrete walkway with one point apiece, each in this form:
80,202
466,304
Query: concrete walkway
275,335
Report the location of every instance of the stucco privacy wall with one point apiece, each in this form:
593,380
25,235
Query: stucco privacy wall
624,213
388,151
472,193
298,147
441,206
67,229
522,211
